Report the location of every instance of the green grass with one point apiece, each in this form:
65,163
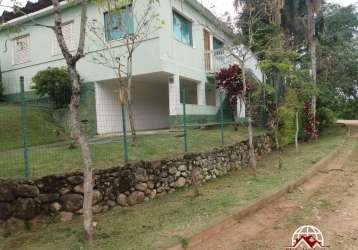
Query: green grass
59,158
50,159
174,218
41,127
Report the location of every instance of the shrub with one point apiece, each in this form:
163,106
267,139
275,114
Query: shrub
287,127
54,83
325,118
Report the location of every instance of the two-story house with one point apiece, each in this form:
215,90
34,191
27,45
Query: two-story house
183,53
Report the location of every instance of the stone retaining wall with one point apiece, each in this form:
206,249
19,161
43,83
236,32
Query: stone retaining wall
137,182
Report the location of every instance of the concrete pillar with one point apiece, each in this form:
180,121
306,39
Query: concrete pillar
240,109
212,58
201,94
174,94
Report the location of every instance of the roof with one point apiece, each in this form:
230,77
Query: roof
206,12
30,8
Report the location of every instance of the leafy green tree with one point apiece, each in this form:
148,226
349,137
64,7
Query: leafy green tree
54,83
337,63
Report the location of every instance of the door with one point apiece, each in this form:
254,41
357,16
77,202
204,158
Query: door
207,50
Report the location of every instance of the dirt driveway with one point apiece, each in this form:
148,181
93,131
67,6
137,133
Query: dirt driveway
328,201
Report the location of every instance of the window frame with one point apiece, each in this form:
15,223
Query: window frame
218,39
188,20
107,32
14,62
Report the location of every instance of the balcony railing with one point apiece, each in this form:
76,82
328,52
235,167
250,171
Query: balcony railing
218,59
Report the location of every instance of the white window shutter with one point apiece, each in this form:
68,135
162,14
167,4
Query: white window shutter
22,49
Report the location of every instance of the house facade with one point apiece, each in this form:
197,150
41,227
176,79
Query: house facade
182,54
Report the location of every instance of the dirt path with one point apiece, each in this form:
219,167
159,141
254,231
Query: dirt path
329,201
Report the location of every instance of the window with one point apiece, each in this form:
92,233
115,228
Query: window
67,31
22,49
121,24
182,28
217,44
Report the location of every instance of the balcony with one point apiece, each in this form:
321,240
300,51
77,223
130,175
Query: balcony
218,59
223,58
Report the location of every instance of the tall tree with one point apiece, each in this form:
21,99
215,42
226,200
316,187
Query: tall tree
78,134
313,7
337,62
71,63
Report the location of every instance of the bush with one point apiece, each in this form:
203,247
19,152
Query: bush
54,83
325,118
287,127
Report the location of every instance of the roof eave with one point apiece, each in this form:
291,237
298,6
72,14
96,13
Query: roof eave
208,14
33,16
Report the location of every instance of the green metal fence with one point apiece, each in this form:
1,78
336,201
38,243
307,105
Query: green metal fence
35,139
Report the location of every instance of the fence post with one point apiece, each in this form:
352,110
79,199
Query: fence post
221,117
24,127
184,120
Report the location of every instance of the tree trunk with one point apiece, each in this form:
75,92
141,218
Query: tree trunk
85,153
252,160
277,143
71,61
297,132
311,36
251,148
129,98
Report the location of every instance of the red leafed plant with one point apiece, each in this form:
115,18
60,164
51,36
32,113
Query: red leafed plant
309,121
231,80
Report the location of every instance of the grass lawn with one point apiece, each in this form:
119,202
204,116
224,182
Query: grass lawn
41,127
58,158
163,222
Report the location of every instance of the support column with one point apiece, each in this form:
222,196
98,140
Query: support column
240,109
201,94
174,94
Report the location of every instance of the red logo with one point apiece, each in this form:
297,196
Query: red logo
307,237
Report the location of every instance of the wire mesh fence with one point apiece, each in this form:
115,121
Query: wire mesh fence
35,138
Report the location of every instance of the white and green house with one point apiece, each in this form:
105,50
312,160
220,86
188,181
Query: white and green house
184,53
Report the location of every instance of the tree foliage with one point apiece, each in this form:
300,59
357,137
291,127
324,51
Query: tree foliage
54,83
337,62
231,80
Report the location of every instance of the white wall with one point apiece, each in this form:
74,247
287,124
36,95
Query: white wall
150,106
177,57
146,57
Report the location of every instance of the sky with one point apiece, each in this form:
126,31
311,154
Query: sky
219,7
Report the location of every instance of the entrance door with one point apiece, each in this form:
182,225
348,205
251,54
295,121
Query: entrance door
207,50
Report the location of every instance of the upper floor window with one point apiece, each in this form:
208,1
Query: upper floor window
22,49
118,23
182,28
217,44
67,31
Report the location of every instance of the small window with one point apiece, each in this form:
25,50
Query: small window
22,49
67,31
182,28
120,25
217,44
